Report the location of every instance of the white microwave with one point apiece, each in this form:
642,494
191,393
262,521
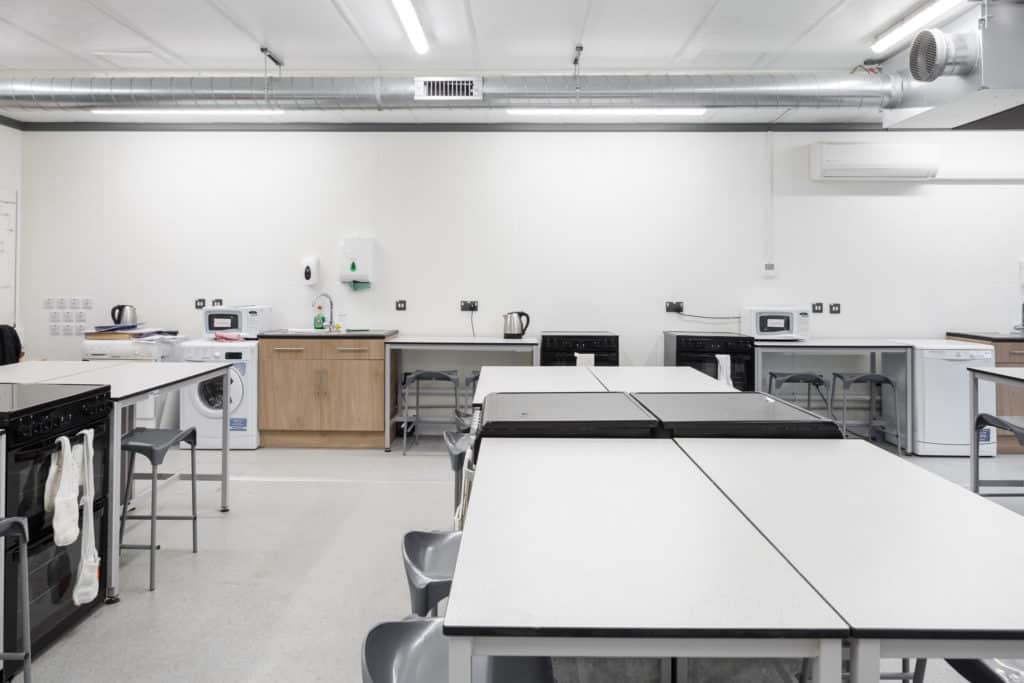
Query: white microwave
247,321
786,323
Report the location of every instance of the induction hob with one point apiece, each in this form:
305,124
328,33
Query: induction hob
571,415
739,415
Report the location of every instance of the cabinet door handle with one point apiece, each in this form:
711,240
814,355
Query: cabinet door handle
1017,353
323,383
294,349
353,348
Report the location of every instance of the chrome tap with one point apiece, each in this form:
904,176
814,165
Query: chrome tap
330,320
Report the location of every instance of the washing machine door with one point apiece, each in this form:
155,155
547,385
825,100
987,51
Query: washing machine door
208,396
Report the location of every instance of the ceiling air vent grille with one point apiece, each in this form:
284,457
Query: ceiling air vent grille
449,88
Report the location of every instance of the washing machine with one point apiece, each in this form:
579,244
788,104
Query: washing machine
201,404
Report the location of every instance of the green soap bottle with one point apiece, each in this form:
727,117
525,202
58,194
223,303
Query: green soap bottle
319,319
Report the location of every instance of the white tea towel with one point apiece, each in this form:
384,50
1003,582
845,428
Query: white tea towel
724,368
87,585
53,478
65,504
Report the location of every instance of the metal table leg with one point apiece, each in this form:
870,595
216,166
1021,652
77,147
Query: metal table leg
387,398
114,511
225,446
975,465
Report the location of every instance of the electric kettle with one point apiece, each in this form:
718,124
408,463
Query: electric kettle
516,323
124,314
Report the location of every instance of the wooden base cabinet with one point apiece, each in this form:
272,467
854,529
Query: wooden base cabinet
321,393
1009,400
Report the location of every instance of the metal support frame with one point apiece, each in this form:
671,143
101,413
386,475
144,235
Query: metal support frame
975,460
393,349
825,653
867,653
872,353
117,428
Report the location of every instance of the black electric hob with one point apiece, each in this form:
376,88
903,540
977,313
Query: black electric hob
569,415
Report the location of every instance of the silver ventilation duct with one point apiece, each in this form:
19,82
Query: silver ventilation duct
754,89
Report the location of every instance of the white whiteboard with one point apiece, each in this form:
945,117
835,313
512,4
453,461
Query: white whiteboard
8,260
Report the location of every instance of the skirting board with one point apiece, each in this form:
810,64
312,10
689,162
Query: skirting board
299,439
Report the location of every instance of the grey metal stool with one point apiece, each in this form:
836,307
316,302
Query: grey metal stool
153,444
1014,425
457,444
811,379
416,651
414,380
17,528
872,379
429,559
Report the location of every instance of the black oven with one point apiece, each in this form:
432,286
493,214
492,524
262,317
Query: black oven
560,348
700,350
32,417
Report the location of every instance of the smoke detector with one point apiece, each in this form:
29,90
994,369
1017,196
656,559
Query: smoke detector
936,53
448,88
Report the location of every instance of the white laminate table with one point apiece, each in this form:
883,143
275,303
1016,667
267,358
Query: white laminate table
33,371
131,383
1012,377
542,380
621,548
658,380
408,342
918,566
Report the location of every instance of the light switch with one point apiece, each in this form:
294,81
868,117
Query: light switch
68,329
54,316
54,329
80,328
60,302
74,302
80,316
49,302
68,316
88,303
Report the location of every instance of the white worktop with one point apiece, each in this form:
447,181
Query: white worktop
534,379
31,371
467,340
652,380
839,342
1011,373
624,536
133,378
895,549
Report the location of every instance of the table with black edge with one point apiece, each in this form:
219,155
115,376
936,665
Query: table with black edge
918,566
637,561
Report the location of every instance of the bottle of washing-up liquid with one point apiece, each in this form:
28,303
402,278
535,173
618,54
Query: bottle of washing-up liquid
319,319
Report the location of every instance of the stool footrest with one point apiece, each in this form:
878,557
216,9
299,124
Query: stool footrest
171,517
1001,482
136,546
16,656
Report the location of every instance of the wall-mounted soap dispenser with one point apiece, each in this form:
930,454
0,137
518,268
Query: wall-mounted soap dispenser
311,271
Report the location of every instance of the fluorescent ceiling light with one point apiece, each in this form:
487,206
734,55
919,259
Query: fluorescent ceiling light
411,23
610,111
229,112
925,18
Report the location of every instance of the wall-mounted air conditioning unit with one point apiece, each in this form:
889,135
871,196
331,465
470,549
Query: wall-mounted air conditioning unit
873,162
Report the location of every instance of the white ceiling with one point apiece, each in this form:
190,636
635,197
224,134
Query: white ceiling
112,37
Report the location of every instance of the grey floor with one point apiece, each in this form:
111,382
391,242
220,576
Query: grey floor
286,584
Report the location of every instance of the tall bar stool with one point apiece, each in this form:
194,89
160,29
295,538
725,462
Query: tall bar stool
415,651
17,528
873,380
412,384
812,379
429,559
153,445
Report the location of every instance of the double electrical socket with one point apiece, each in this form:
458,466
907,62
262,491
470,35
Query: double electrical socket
469,305
673,306
819,307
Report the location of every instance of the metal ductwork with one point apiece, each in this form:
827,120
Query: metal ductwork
319,93
935,53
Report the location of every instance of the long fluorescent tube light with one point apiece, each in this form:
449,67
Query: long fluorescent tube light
119,111
411,23
914,23
609,111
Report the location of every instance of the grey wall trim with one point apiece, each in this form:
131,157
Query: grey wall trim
439,127
12,123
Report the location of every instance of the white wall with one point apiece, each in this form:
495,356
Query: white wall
582,230
10,186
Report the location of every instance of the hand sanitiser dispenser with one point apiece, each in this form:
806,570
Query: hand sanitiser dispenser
310,271
357,261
